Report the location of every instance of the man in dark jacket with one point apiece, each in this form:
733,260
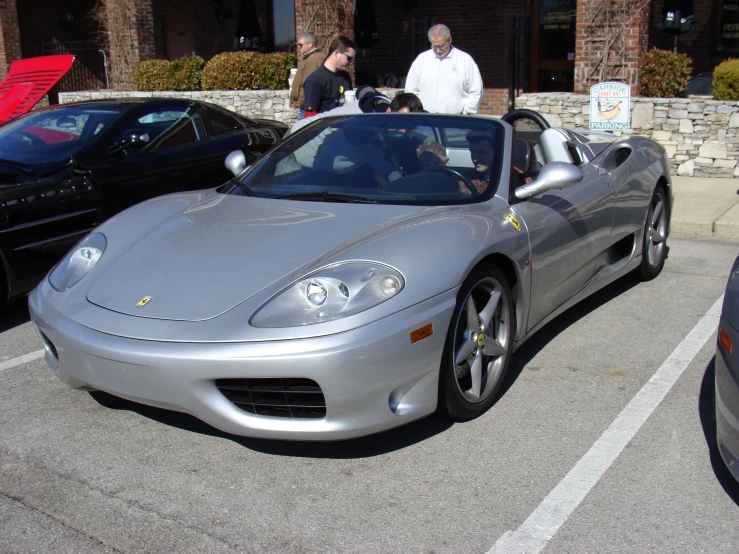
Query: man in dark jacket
311,59
325,87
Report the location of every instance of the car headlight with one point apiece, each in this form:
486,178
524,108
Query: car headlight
330,293
78,262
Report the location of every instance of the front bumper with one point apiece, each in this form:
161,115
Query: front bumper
373,378
727,401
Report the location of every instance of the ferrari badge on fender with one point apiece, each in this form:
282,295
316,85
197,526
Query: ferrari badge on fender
512,219
143,302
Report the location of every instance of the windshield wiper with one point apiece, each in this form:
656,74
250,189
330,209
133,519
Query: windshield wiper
27,169
329,197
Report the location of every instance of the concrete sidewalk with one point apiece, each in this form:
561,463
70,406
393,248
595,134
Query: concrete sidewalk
706,206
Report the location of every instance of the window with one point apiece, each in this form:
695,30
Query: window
388,158
168,128
221,123
52,134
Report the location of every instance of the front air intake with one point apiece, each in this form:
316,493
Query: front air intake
290,397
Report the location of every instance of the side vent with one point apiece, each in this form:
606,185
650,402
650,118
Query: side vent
622,154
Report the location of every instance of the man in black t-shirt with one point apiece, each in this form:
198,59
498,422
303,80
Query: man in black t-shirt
324,88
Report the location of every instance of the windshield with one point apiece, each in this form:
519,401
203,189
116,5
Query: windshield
50,135
388,159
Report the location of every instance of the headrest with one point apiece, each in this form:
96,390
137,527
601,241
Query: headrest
521,154
374,102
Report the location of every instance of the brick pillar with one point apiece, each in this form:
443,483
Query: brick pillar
130,26
10,36
312,15
627,44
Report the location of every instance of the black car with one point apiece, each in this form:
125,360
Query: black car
65,169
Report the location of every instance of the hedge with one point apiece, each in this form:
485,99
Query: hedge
248,71
726,80
663,73
182,74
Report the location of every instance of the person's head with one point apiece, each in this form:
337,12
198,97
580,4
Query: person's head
341,53
432,154
441,40
306,42
482,150
405,102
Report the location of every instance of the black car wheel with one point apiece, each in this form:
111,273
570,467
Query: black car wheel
478,345
654,243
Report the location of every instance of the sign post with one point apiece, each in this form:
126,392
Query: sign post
610,106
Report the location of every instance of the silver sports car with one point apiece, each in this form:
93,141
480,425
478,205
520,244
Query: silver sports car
366,272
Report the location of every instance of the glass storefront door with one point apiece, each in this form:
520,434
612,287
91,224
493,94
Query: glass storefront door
553,45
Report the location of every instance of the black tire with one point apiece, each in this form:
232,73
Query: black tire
456,401
654,242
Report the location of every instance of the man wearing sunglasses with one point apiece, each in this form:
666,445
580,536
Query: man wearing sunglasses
310,59
445,78
325,87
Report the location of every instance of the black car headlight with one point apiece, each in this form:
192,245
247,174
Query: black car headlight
78,262
330,293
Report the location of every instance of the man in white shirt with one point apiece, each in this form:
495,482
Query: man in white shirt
445,78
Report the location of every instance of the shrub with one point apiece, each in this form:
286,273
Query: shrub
663,74
247,71
232,71
182,74
276,69
186,73
153,75
726,80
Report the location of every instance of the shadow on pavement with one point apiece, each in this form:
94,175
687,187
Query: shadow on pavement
388,441
547,333
364,447
14,314
707,412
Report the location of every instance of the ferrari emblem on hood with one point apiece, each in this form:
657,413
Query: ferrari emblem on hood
143,302
512,219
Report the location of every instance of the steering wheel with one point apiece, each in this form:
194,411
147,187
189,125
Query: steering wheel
466,180
514,115
33,140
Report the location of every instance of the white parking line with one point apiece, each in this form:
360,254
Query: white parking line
534,534
22,359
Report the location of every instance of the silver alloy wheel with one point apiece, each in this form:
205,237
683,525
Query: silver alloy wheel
482,336
656,229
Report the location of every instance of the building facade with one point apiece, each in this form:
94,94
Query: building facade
519,45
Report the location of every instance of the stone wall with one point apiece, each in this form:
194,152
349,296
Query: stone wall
267,104
701,135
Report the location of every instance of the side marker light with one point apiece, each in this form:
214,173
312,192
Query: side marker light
725,340
422,333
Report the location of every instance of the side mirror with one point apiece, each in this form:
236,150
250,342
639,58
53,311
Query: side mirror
130,139
236,162
554,175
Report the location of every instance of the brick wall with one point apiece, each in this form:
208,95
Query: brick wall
589,40
145,30
342,23
10,38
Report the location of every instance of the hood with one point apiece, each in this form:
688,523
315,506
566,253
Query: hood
232,247
13,172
